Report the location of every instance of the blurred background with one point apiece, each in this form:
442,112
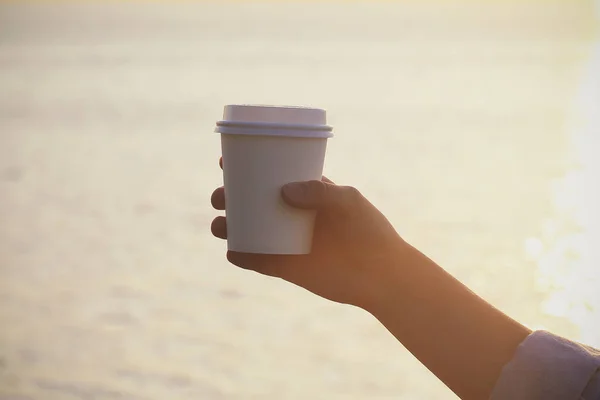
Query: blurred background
474,126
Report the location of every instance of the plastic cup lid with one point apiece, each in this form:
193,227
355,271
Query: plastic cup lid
274,121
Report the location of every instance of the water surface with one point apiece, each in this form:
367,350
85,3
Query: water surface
461,122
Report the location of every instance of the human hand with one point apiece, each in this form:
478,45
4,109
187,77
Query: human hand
353,243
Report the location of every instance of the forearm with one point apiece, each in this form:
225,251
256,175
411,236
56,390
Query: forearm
458,336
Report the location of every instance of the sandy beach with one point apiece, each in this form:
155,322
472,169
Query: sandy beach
460,121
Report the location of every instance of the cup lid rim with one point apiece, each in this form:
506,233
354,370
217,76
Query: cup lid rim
274,125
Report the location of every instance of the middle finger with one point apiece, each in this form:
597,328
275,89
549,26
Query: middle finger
217,199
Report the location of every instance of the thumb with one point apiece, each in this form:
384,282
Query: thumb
319,195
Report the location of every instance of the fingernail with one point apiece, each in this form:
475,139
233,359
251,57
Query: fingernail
295,190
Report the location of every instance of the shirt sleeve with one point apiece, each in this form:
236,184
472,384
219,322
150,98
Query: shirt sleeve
548,367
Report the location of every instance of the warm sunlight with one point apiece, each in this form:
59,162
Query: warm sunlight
472,125
569,252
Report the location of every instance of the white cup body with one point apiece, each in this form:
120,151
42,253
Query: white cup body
265,147
255,167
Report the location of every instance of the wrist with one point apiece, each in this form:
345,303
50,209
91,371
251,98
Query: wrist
389,277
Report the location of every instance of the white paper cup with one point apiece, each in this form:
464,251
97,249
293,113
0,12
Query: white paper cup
265,147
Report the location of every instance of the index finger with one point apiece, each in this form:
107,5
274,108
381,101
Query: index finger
221,162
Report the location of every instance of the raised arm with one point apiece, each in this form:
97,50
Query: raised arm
358,258
457,335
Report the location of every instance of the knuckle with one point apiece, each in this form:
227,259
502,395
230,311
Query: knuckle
352,193
318,186
316,189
